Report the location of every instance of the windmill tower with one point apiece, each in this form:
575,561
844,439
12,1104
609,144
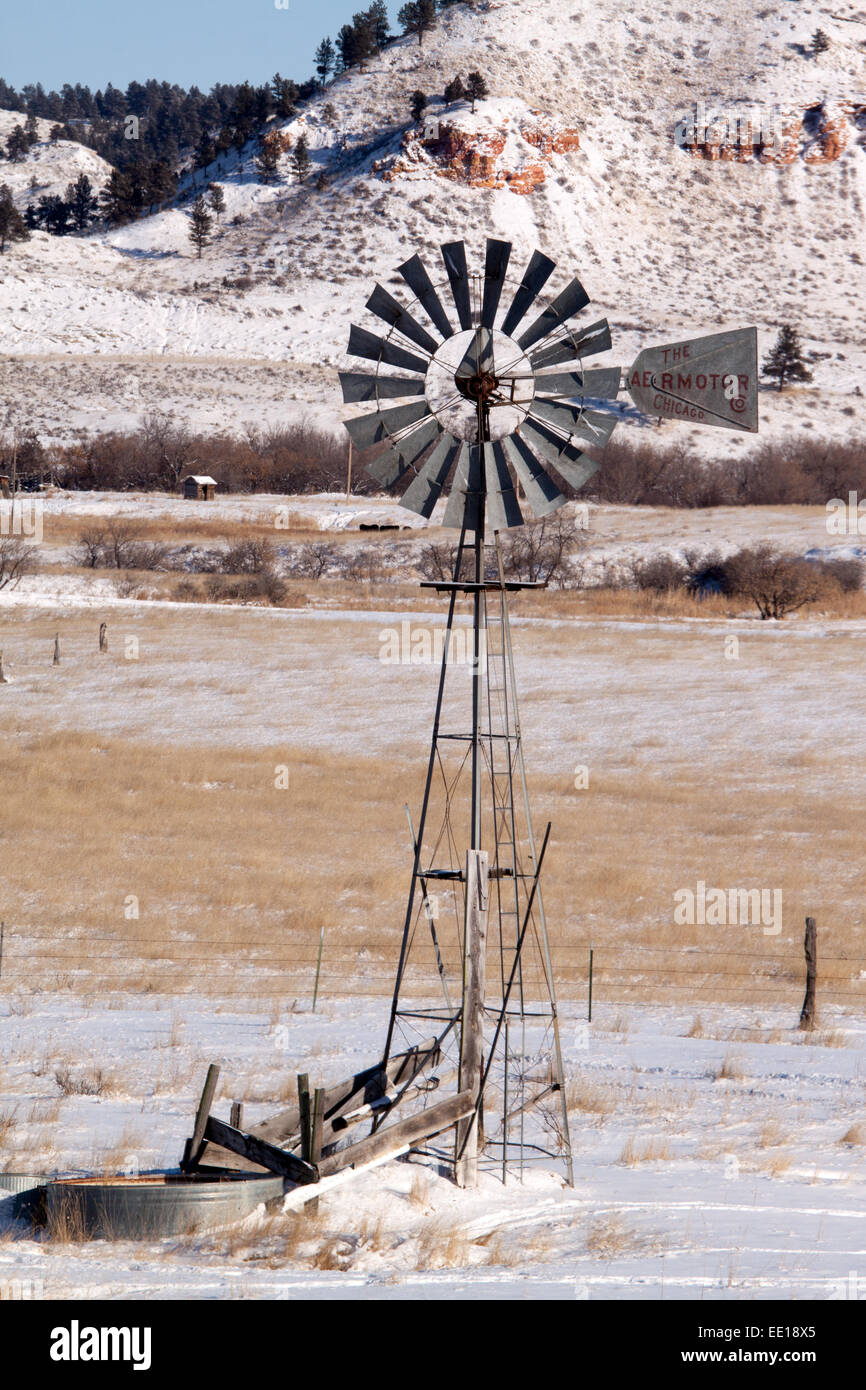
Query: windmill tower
500,398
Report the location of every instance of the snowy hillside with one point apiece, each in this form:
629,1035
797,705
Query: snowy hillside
581,128
49,167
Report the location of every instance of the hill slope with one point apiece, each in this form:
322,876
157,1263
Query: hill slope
586,100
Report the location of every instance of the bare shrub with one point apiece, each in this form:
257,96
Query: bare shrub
313,561
16,559
660,573
86,1083
253,555
539,551
777,583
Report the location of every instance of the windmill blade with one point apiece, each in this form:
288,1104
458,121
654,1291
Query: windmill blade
570,462
380,424
707,381
364,344
478,357
541,491
503,509
367,386
495,267
535,277
415,274
425,489
462,508
454,256
589,426
391,311
392,463
595,338
599,383
572,299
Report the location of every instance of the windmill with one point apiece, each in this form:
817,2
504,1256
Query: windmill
473,1047
494,393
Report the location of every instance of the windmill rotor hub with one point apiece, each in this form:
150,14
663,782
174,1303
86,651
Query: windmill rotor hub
479,387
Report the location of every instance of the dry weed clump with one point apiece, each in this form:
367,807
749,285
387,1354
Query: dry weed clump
608,1237
442,1244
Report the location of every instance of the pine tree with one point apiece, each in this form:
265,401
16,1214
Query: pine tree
324,61
200,224
12,224
785,360
418,103
31,130
378,15
82,203
301,161
820,42
455,91
347,43
417,17
116,200
53,214
267,161
17,145
285,95
217,200
365,36
476,88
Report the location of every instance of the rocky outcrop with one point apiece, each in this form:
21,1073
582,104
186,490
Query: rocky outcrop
493,148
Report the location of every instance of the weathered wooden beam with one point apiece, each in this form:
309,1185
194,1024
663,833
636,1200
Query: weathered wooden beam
193,1151
421,1126
472,1031
284,1128
266,1155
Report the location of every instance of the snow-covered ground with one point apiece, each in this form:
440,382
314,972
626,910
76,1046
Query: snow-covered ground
688,1185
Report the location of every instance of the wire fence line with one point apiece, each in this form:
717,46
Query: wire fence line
41,960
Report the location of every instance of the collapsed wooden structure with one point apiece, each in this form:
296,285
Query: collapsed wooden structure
314,1139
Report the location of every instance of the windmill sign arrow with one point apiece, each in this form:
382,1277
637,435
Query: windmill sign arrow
710,381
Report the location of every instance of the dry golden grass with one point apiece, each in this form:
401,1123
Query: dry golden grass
732,1069
652,1150
771,1134
855,1135
609,1236
234,879
442,1244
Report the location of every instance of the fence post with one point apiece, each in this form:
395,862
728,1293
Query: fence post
589,997
810,946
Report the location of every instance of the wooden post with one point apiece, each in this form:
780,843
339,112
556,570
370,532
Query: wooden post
237,1114
306,1119
2,933
193,1147
472,1026
3,677
318,968
103,637
57,649
316,1119
808,1017
589,998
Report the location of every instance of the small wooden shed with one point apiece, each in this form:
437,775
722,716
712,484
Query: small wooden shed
199,487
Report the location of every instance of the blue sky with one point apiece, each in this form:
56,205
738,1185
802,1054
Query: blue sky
191,42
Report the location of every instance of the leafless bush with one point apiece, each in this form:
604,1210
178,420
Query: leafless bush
539,552
117,544
437,561
253,555
92,1083
313,561
245,588
663,574
777,583
364,565
16,559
